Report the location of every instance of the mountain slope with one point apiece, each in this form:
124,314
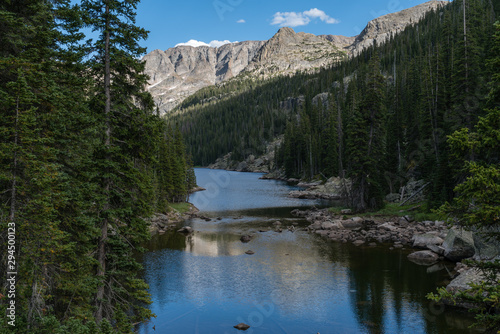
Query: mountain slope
231,112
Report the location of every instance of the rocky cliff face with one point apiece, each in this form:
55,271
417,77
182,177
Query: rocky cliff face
340,41
181,71
380,29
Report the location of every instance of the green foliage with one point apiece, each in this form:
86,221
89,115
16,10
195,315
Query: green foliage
180,207
240,110
483,297
477,204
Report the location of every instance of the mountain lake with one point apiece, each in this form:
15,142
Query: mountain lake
295,282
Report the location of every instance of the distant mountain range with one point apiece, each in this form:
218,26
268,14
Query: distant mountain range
181,71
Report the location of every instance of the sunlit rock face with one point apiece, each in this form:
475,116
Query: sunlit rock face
181,71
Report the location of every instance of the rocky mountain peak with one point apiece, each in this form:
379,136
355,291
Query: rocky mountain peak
380,29
183,70
285,31
287,52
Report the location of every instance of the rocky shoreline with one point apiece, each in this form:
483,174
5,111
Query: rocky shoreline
400,231
334,188
160,223
432,241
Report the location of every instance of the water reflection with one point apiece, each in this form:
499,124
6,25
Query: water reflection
295,283
388,292
213,244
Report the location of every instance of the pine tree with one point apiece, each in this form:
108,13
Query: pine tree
366,141
123,110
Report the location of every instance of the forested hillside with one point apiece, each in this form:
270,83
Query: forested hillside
388,114
83,159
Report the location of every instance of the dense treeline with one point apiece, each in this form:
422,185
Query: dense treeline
240,116
476,206
386,117
84,158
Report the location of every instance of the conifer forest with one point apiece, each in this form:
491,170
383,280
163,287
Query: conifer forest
84,158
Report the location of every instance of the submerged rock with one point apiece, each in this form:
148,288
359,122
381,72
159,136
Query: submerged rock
425,257
246,238
358,242
186,230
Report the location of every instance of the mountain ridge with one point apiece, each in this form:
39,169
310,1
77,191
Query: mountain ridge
179,72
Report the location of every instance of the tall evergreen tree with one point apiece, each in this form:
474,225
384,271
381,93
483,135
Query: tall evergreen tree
123,110
366,142
76,169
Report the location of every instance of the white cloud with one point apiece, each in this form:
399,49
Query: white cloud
316,13
216,44
294,19
241,21
193,43
213,44
290,19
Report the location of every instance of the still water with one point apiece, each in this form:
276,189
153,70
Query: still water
294,283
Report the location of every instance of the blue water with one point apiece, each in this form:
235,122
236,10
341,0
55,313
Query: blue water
234,191
294,283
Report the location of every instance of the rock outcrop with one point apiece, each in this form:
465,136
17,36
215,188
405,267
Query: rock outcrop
340,41
183,70
264,163
333,189
160,223
400,232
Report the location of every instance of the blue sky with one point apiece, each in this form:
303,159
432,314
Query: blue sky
174,22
